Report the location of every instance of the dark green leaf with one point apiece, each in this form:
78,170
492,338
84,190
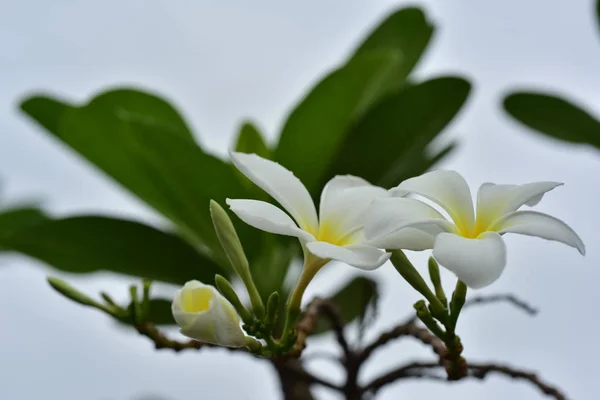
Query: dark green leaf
14,219
408,32
271,265
134,104
554,116
160,312
317,127
46,111
90,244
250,140
352,301
154,161
389,144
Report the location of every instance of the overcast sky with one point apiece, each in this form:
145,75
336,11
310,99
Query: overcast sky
222,61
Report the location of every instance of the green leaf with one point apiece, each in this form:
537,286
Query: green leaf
352,301
408,32
134,104
250,140
153,160
159,312
14,219
390,143
316,128
554,116
271,265
46,111
92,244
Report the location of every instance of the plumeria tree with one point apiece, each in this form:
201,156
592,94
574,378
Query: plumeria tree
327,191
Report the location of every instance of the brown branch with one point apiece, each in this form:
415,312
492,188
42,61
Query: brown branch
308,322
292,367
480,371
507,298
411,330
405,371
161,341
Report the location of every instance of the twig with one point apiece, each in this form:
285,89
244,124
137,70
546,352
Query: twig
308,322
497,298
405,371
301,374
411,330
161,341
480,371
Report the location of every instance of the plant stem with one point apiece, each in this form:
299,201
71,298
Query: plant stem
312,265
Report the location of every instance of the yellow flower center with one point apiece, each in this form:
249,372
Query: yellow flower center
329,233
196,300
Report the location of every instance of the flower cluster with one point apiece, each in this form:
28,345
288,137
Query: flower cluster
361,224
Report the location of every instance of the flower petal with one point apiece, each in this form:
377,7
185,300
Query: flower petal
494,201
404,223
344,203
538,224
282,185
267,217
356,255
476,262
449,190
407,239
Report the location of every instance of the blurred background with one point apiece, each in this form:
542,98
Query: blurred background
223,61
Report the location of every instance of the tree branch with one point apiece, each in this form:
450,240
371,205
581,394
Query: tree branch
480,371
506,298
308,322
411,330
161,341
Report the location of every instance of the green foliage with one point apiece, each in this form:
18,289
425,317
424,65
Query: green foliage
316,128
353,301
158,164
554,116
408,32
14,219
250,140
389,144
160,312
366,117
90,244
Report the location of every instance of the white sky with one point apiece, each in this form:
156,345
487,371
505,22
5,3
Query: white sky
224,62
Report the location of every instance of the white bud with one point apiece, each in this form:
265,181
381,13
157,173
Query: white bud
205,315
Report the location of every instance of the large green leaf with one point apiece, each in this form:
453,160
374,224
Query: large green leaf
90,244
390,142
249,140
135,104
352,301
45,110
554,116
154,161
14,219
317,127
406,31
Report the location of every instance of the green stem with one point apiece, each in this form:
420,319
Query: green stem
312,265
458,301
412,276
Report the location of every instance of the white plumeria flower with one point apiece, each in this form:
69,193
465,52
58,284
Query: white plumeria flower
470,245
336,235
205,315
